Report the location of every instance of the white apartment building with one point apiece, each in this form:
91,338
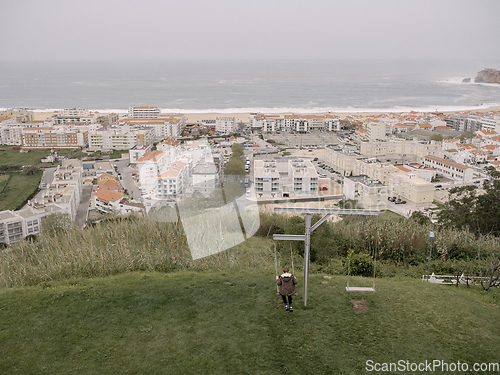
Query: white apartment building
401,151
144,112
301,126
370,193
62,195
80,116
53,138
225,125
136,152
65,190
174,181
410,188
419,170
449,144
314,122
374,169
303,177
342,160
71,172
74,112
150,165
119,139
15,225
165,126
491,123
333,125
107,201
11,134
376,131
205,176
450,169
11,227
294,122
473,122
267,181
265,122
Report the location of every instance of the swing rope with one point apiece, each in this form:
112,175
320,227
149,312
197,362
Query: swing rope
276,262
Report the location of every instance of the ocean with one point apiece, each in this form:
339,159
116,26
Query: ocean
248,86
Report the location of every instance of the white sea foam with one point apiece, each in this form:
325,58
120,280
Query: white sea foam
297,109
330,109
458,80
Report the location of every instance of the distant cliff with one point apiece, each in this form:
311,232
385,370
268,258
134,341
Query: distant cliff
488,76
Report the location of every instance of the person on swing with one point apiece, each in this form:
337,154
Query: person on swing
287,282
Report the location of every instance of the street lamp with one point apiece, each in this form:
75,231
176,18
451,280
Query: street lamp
431,238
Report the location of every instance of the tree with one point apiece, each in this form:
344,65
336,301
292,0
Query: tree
437,137
240,126
466,135
29,170
468,209
234,167
420,218
237,150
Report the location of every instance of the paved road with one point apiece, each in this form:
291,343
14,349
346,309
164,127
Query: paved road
83,207
127,181
48,176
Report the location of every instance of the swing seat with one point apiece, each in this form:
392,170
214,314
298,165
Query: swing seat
358,289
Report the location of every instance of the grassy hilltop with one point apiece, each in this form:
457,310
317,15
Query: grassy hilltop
221,314
233,323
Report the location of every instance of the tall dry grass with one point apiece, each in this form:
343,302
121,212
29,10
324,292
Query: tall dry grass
139,243
121,245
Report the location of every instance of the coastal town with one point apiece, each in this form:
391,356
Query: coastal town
145,159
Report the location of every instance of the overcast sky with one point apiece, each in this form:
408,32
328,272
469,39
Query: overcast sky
255,29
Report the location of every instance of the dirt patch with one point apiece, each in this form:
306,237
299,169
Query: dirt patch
359,305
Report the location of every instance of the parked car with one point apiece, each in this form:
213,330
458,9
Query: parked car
323,188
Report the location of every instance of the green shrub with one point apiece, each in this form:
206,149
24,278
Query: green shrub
358,264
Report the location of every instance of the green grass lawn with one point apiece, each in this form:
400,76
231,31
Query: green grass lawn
18,189
33,157
233,323
4,178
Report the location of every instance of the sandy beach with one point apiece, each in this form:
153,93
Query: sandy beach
244,117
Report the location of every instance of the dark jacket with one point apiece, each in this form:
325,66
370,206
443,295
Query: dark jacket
287,283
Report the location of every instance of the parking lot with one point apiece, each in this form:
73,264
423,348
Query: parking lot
314,139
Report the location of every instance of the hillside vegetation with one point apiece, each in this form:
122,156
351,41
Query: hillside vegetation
137,243
125,297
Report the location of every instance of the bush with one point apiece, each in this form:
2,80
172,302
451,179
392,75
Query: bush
358,264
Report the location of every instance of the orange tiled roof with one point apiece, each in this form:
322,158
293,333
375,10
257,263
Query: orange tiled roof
106,195
151,156
105,176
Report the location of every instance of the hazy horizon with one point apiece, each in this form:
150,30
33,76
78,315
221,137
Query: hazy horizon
57,30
